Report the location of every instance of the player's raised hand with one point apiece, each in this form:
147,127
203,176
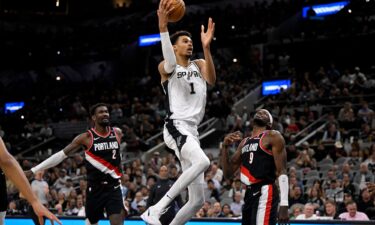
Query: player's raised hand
232,138
206,37
165,8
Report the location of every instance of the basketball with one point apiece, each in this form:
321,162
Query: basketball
178,12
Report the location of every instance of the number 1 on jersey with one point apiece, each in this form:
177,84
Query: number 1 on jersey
192,88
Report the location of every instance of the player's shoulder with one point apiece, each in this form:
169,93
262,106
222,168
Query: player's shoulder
275,134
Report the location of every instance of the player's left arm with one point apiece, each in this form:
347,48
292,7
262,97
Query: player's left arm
279,154
206,65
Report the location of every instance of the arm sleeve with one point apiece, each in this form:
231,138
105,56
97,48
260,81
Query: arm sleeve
52,161
168,53
284,189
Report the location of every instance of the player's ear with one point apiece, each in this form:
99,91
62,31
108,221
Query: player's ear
93,117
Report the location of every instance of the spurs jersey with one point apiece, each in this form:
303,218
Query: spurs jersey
103,158
258,164
186,91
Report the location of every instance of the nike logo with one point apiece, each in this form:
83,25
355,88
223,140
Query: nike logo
117,186
168,197
96,138
256,193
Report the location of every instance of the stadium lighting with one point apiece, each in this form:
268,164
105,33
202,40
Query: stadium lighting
57,3
233,27
234,60
22,117
58,78
349,11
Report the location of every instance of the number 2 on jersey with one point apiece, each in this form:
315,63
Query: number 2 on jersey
114,154
251,157
192,88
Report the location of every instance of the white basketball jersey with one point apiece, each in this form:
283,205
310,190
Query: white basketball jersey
186,91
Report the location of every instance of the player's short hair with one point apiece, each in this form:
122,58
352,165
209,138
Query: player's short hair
94,107
174,37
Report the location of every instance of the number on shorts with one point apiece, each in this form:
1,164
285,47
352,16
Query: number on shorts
114,154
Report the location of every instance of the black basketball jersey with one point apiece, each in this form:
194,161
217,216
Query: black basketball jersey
103,159
258,164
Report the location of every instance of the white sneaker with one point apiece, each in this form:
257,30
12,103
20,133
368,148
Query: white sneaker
151,216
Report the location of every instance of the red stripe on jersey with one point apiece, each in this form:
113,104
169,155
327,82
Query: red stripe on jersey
247,173
269,152
268,205
104,163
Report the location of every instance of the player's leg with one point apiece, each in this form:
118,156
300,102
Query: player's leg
2,217
196,200
267,207
94,205
250,208
115,207
192,154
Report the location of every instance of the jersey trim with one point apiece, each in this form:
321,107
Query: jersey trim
247,174
103,136
91,142
103,165
269,152
167,102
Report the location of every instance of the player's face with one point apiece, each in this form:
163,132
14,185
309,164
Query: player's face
184,46
101,116
262,115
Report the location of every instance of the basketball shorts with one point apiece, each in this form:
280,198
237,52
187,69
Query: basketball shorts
103,197
261,203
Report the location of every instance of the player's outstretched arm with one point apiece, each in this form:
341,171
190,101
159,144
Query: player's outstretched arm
230,165
168,65
207,65
279,153
14,172
55,159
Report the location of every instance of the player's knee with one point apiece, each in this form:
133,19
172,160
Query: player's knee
204,163
197,203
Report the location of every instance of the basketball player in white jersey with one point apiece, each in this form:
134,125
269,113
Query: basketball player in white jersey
185,84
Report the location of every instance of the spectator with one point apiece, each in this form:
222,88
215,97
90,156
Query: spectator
217,210
315,197
352,213
331,135
227,212
365,201
68,188
211,191
40,188
365,113
60,182
236,186
335,192
330,209
217,173
363,176
71,209
296,196
236,205
296,210
308,213
201,213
